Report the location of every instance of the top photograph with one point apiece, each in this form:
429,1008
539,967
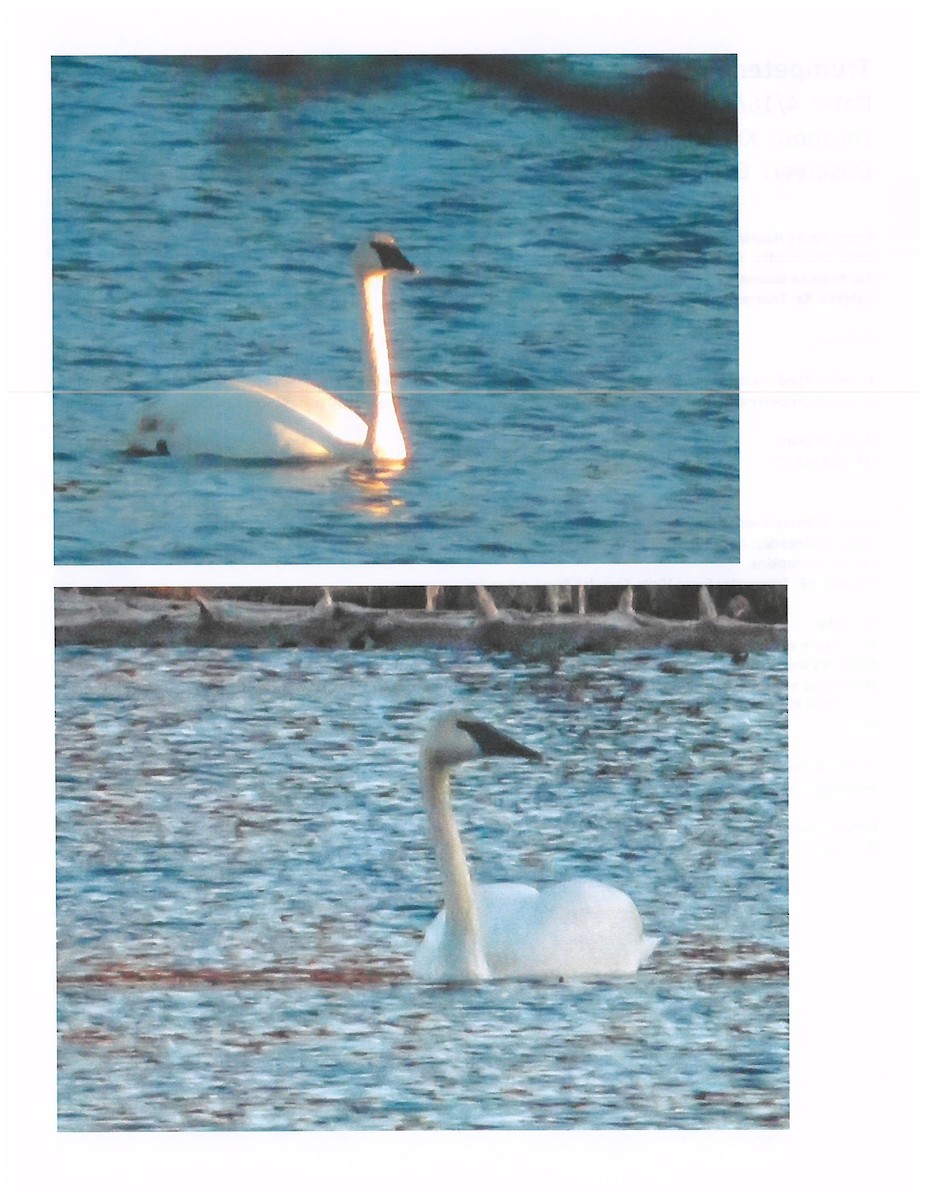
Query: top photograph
477,309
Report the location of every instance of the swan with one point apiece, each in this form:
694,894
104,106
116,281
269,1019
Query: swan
512,930
273,417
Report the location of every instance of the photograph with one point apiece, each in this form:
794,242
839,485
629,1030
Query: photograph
407,858
464,492
544,253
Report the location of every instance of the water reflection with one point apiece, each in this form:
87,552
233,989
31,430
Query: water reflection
374,483
370,489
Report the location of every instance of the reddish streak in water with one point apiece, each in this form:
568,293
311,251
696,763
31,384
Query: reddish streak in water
151,975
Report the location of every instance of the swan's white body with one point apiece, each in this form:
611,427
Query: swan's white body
274,417
512,930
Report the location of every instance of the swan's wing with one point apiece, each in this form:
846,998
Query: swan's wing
597,928
333,420
269,416
570,929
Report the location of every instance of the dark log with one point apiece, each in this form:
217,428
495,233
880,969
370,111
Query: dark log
131,617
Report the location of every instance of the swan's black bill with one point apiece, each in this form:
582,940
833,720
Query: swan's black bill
492,741
392,257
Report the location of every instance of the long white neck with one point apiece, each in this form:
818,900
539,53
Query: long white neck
462,945
385,437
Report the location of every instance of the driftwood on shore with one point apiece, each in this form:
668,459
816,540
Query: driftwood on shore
132,617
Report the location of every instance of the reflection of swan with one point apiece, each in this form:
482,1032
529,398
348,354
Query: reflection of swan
273,417
511,930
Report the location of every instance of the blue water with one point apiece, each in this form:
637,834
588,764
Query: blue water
244,872
567,360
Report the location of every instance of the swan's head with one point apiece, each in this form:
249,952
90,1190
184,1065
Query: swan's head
457,737
378,254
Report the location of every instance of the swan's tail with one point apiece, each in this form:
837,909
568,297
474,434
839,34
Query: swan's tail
648,945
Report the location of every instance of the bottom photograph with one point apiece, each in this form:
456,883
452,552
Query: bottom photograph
393,858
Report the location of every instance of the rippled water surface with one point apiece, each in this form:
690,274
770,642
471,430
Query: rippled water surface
567,359
243,874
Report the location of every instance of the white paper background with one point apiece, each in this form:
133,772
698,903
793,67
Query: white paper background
832,451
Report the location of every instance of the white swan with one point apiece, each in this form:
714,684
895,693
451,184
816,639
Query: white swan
272,417
512,930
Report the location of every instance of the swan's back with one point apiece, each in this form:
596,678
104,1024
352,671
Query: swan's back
569,930
576,928
265,417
